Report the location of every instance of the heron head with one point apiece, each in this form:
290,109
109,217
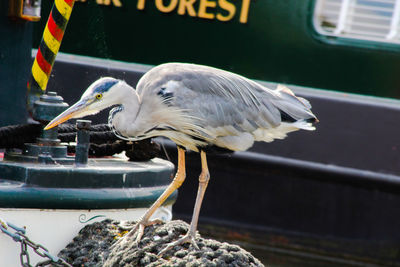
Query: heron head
101,94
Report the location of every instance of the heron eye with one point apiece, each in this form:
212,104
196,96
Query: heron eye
99,96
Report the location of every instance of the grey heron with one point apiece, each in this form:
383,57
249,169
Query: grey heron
195,106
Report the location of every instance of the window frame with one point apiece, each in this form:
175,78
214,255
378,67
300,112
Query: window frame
336,39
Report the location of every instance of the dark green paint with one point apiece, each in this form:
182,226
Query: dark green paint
71,198
99,173
277,44
103,184
15,63
33,151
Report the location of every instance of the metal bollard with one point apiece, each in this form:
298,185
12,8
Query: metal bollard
83,142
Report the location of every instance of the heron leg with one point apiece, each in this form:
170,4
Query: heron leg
191,234
176,183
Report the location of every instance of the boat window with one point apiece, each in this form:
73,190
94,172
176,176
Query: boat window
374,20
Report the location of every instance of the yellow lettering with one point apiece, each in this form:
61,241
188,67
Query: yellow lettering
228,7
204,4
187,5
116,3
140,4
244,13
166,9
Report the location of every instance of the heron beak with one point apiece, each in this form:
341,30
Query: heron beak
75,111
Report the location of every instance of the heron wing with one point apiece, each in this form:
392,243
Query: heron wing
225,104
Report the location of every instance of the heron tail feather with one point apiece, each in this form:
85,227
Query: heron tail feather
297,108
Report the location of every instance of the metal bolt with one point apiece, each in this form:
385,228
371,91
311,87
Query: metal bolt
48,106
83,124
83,142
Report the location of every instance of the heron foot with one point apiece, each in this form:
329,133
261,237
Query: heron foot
139,229
188,238
126,226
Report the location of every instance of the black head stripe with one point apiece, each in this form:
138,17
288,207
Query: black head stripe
104,87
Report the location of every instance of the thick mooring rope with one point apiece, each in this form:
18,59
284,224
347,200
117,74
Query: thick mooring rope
15,136
93,246
103,142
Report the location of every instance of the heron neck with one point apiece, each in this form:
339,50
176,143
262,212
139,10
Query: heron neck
130,100
123,117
